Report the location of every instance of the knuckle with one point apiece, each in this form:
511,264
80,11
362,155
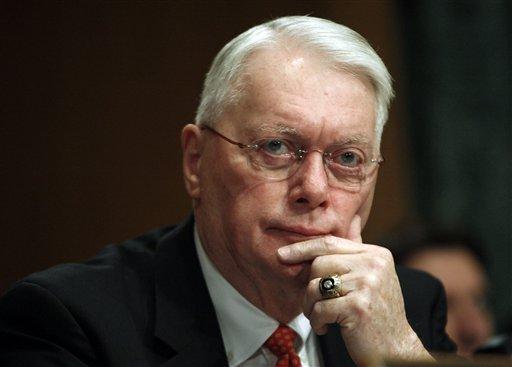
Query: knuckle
330,244
361,306
360,303
383,260
318,310
383,252
386,254
317,262
370,281
377,263
312,287
316,325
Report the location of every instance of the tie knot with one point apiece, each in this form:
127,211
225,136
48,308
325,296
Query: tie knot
281,343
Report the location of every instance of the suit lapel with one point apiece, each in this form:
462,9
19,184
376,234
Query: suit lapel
184,314
334,352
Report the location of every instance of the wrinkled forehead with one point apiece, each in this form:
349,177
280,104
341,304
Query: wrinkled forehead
288,90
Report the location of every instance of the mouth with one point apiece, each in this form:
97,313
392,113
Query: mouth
296,233
286,235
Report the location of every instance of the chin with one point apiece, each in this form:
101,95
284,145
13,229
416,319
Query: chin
296,273
289,273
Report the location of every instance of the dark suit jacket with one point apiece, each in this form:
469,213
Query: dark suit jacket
145,303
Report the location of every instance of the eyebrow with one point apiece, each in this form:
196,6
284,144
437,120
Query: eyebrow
358,138
280,128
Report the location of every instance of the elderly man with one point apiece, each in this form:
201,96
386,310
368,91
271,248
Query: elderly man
271,269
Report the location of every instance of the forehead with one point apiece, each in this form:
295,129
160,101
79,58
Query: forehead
296,91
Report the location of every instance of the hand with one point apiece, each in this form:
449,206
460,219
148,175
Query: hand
371,309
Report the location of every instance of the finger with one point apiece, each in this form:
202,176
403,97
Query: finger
313,294
309,250
354,231
334,264
322,330
325,312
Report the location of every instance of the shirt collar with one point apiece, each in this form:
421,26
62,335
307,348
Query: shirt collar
244,327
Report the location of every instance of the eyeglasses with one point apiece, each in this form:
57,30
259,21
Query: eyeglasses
279,159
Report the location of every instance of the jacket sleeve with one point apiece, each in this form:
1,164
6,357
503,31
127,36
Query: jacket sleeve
36,329
425,305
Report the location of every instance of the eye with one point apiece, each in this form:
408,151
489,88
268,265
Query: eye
348,158
275,147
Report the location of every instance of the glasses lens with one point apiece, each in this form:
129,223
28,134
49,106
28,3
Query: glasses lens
277,159
273,154
346,176
347,167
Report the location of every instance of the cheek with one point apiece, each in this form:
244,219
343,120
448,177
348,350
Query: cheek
256,200
232,189
364,211
221,178
348,204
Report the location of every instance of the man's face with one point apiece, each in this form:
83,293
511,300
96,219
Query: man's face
243,218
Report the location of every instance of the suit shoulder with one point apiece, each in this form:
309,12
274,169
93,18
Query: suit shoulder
106,274
425,307
422,293
412,280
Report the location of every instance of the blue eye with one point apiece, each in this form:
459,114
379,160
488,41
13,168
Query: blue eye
348,159
275,147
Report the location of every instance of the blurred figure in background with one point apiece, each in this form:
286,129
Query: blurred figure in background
458,261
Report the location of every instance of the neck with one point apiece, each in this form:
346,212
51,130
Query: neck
280,297
280,301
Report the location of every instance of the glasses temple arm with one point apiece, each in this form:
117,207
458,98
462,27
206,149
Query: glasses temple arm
240,145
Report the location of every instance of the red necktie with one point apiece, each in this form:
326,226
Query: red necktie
281,344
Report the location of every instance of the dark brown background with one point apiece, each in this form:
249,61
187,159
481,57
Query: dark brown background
94,97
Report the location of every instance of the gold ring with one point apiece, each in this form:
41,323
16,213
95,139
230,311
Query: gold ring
330,286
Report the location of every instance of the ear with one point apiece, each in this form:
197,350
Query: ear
191,144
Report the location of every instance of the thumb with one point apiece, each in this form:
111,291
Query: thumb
354,231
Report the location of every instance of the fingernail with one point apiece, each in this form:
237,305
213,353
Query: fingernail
284,252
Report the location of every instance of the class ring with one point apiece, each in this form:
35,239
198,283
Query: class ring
330,286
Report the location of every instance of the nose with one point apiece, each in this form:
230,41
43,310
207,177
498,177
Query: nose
309,185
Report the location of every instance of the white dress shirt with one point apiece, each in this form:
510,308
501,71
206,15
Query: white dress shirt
245,328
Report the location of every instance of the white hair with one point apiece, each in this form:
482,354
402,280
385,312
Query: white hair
343,48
